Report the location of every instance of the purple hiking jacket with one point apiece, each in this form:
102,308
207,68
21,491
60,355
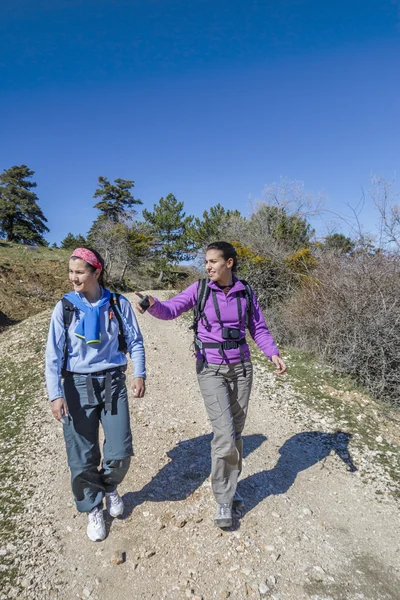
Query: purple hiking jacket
170,309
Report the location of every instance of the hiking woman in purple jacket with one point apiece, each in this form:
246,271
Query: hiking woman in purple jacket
223,364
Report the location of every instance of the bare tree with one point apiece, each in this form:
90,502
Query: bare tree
385,200
290,195
122,244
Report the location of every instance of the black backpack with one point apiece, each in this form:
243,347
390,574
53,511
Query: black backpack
68,312
203,293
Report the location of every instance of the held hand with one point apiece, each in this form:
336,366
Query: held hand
139,387
141,296
59,408
279,363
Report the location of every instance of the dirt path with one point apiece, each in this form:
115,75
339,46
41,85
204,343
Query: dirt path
312,528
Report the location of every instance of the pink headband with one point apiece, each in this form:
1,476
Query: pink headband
88,256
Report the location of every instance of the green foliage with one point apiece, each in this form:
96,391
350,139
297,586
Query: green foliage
96,230
273,253
116,199
212,226
21,219
339,243
172,231
139,241
70,242
291,230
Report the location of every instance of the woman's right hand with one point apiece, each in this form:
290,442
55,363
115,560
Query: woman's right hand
141,296
59,408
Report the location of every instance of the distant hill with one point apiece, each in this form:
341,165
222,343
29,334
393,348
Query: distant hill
32,279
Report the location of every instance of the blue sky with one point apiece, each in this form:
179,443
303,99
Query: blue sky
208,100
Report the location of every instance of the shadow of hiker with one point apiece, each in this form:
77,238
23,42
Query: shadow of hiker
298,453
187,469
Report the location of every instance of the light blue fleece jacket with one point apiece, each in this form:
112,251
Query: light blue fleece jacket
85,358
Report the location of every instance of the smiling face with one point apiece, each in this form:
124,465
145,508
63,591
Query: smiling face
218,269
82,277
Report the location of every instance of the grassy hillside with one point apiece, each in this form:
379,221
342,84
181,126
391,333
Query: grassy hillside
31,279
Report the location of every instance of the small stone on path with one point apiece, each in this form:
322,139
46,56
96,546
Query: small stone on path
117,558
263,589
317,574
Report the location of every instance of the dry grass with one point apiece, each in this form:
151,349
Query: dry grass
31,280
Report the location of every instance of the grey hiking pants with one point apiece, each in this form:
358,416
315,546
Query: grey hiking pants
81,434
226,393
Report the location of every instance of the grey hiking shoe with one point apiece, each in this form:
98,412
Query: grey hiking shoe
223,515
96,529
238,502
114,504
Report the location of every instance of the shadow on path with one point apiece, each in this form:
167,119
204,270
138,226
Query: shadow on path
188,467
298,453
190,464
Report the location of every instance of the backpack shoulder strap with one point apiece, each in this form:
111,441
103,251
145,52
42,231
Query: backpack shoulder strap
116,308
203,291
249,301
68,313
202,294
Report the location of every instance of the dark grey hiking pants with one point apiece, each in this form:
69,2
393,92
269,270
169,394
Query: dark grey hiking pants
226,393
81,433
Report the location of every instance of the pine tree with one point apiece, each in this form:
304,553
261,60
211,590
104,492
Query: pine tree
338,243
212,226
172,231
71,241
292,230
21,218
116,199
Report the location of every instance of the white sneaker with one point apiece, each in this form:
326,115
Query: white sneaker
96,529
114,504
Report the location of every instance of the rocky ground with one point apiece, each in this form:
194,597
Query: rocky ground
321,520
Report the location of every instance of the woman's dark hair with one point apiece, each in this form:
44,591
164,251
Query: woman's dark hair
103,274
227,251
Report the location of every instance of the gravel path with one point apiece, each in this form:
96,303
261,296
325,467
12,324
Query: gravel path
312,528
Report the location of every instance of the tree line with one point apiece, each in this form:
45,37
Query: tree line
166,234
337,296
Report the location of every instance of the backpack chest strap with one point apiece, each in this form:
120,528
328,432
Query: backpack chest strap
225,345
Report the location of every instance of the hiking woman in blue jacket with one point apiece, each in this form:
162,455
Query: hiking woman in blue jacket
85,376
223,366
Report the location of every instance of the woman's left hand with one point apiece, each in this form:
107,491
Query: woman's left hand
139,387
279,363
